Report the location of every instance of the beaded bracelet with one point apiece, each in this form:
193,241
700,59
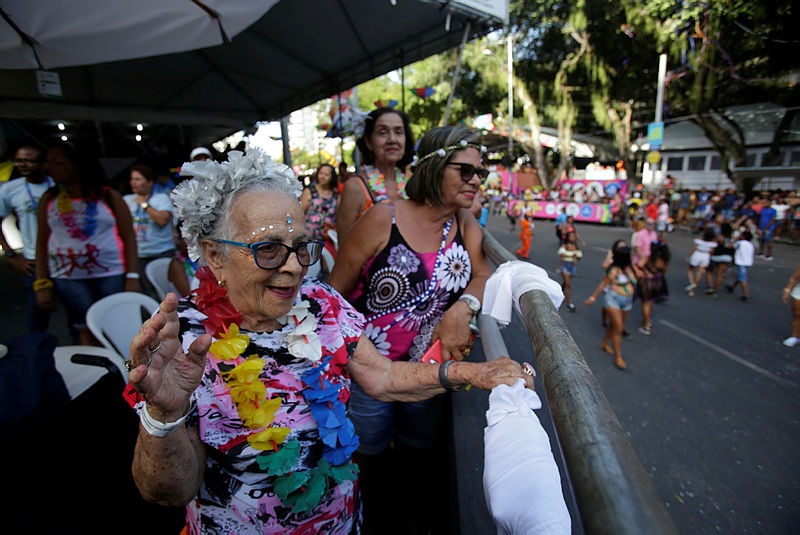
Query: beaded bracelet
160,429
42,284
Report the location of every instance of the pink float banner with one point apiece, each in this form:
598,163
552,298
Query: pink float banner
601,187
589,212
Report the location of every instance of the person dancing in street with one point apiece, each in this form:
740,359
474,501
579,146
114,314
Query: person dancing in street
570,254
652,283
792,293
526,227
699,258
619,284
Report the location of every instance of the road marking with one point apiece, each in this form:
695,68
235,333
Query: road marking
728,354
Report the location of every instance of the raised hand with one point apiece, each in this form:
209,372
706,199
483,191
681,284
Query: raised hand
161,371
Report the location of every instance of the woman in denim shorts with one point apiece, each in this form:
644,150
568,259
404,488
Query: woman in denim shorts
619,284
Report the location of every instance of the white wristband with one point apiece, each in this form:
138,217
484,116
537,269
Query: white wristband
132,275
159,429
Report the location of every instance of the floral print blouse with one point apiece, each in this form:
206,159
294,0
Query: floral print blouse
396,277
320,214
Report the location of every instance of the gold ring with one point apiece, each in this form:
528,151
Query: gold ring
154,349
466,352
527,369
129,365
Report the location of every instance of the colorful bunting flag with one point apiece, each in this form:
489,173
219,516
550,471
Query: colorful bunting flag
423,92
389,104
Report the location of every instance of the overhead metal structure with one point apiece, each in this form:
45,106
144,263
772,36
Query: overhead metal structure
208,67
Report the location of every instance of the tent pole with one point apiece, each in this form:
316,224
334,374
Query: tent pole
456,74
287,153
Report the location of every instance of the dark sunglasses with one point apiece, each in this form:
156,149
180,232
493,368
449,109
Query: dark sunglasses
272,255
468,171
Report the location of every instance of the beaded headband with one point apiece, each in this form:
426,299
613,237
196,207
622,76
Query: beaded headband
461,145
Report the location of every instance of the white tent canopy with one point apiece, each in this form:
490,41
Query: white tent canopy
162,61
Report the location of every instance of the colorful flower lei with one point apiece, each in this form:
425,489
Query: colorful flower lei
377,184
69,216
300,490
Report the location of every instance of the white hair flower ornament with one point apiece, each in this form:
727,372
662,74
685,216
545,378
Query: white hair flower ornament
198,200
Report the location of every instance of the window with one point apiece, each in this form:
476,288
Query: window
715,164
697,163
794,157
751,159
675,163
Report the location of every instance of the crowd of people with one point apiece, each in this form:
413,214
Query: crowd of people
256,387
269,400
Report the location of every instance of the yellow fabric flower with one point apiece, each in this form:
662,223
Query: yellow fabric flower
247,392
269,438
231,344
246,372
261,414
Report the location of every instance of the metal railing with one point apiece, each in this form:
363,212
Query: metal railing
615,494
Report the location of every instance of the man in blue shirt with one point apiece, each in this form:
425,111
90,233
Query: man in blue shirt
766,230
561,218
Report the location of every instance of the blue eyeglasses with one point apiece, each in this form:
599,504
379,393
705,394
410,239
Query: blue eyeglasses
272,255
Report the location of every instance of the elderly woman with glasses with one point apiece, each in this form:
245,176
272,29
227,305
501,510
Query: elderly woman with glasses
242,389
416,270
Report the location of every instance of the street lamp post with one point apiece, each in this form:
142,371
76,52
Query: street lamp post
510,83
510,71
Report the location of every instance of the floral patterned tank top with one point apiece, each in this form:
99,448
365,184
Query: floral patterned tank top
397,277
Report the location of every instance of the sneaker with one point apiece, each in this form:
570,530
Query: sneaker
710,291
571,307
729,288
691,286
760,255
768,259
626,334
691,293
645,330
791,341
743,299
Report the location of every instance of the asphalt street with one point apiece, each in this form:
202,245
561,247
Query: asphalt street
710,400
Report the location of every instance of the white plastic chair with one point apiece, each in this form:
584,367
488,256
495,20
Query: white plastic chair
115,319
83,366
157,272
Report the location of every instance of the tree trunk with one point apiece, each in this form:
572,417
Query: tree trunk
532,116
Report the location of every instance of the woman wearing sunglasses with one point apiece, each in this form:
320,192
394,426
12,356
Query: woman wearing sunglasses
242,389
416,270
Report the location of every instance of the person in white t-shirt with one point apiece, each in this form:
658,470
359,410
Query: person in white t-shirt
743,257
20,197
781,210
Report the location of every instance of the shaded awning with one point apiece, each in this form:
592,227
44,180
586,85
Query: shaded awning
297,53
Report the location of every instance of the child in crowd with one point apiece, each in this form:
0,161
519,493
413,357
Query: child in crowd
699,258
743,257
570,254
526,227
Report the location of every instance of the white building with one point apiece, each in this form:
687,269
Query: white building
690,158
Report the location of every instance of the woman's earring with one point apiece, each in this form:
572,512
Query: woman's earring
221,283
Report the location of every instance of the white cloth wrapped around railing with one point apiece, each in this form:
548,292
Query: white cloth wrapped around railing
521,482
510,281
